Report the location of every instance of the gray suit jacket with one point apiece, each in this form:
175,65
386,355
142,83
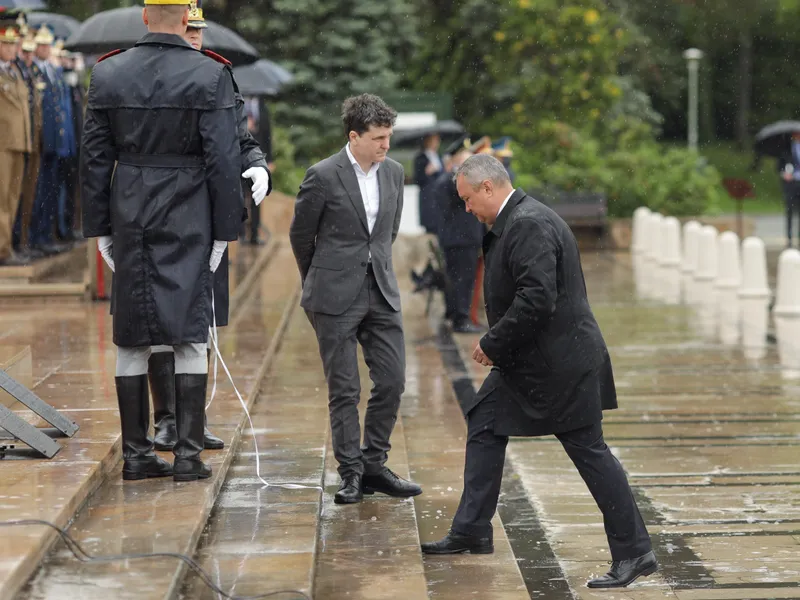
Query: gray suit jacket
330,238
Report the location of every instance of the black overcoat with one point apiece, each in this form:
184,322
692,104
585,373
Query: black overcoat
552,371
161,173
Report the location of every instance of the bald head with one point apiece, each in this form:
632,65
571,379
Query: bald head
166,18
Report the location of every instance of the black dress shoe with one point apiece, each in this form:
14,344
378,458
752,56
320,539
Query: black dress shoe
467,327
153,466
625,572
188,469
390,484
350,491
457,543
211,442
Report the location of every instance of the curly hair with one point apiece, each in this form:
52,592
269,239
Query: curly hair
361,112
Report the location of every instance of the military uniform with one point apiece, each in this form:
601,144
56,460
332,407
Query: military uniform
15,142
161,367
160,171
33,79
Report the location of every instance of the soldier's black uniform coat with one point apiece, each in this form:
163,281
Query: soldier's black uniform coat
161,173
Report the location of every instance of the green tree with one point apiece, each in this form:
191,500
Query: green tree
334,48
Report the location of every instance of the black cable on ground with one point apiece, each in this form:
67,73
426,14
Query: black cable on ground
85,557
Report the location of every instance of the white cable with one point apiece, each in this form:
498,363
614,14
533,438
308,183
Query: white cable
213,337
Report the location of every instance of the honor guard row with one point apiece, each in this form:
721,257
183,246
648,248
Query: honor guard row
40,114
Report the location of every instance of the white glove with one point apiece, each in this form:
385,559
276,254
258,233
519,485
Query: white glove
104,243
216,255
260,179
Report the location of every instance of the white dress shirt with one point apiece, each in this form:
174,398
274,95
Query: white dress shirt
368,184
503,205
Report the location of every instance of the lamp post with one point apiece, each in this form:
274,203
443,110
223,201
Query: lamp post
693,56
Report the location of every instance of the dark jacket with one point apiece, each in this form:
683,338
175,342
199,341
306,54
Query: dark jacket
457,228
552,371
252,156
161,173
428,211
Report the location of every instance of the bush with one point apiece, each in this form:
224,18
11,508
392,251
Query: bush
672,180
287,176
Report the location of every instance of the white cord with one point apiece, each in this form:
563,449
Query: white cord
213,337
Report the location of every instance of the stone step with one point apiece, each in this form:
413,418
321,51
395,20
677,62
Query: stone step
160,515
435,432
264,539
73,261
17,361
369,550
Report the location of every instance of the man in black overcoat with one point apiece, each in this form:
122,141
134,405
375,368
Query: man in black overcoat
551,372
161,187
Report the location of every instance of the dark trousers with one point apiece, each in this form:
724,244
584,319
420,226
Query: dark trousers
791,199
46,204
371,322
255,219
461,265
600,470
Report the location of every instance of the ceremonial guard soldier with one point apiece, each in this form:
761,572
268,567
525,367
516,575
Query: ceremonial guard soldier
162,361
161,187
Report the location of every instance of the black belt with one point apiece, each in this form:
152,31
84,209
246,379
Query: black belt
164,161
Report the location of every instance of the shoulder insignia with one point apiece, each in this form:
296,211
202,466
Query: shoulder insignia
218,58
110,54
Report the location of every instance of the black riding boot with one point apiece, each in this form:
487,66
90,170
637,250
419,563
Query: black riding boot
190,398
161,372
139,460
210,441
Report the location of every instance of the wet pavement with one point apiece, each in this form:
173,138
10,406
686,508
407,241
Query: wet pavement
708,431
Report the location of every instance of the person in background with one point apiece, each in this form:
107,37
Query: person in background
15,139
502,151
46,203
67,150
69,227
789,168
460,236
427,164
33,80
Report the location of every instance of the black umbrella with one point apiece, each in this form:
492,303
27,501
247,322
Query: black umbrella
123,27
775,140
29,4
262,78
448,130
62,26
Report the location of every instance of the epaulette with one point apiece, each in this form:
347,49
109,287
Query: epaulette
110,54
218,58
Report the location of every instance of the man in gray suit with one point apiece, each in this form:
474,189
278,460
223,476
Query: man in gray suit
346,218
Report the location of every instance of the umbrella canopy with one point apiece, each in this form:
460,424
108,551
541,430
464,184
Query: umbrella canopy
448,130
775,140
62,26
123,27
262,78
29,4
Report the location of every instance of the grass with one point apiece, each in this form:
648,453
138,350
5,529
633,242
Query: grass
732,162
